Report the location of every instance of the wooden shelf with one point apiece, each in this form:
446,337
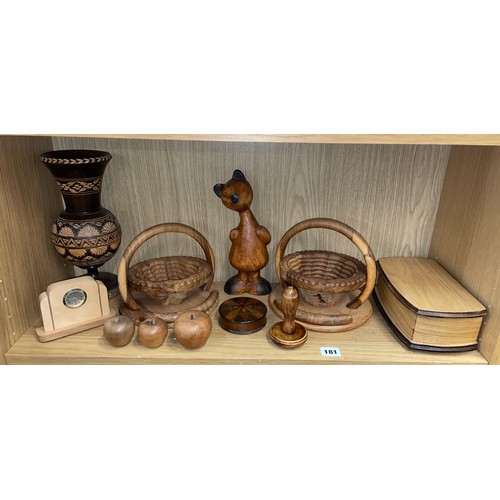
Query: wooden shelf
450,139
373,343
399,191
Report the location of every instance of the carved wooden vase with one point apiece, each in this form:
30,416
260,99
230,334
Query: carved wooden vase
85,234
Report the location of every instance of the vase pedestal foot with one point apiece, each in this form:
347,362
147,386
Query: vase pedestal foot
110,281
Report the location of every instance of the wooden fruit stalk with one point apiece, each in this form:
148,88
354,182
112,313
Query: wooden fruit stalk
248,253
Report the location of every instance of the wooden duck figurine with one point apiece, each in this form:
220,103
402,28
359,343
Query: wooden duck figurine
248,254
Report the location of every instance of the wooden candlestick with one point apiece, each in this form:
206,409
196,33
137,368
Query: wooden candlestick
288,333
248,253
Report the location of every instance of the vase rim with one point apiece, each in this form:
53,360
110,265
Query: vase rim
75,156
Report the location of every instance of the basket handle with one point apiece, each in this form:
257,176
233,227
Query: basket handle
167,227
349,232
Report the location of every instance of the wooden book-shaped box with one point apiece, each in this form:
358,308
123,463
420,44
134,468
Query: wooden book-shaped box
425,306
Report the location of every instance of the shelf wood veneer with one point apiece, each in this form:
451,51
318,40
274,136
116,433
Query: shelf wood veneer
387,186
450,139
372,343
466,238
29,202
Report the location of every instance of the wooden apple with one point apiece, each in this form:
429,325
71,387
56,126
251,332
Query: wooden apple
152,332
192,328
119,330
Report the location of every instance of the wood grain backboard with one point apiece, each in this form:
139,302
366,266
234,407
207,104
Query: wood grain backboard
389,193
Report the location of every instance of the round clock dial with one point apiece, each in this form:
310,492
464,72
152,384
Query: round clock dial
75,297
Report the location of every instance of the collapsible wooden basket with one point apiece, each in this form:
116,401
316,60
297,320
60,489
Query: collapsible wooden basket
167,280
321,277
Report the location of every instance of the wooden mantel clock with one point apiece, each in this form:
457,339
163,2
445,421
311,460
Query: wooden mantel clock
71,306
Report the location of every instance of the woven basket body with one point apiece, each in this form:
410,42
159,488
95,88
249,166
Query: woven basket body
169,280
321,277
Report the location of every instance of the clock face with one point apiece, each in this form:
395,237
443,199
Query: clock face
74,298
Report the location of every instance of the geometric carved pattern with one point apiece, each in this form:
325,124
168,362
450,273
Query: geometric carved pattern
85,234
242,309
88,242
103,240
80,186
74,161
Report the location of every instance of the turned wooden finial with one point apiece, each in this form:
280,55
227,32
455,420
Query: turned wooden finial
288,333
290,301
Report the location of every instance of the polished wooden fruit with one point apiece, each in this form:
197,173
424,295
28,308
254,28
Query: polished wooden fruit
192,329
248,253
119,330
288,333
152,332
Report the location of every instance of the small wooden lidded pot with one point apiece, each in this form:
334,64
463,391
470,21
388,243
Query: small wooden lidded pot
242,315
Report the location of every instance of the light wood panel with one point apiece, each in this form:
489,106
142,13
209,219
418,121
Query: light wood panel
372,343
401,316
446,331
29,202
425,285
466,239
424,330
389,194
471,139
